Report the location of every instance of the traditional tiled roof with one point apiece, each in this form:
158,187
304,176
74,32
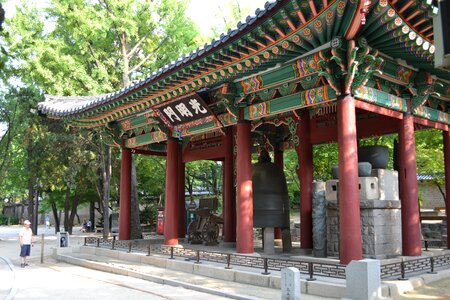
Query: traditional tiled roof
61,106
290,55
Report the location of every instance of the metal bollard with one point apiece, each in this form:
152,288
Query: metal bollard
266,267
85,241
311,272
113,242
402,270
228,261
432,266
148,249
98,242
42,248
129,246
426,245
171,253
198,257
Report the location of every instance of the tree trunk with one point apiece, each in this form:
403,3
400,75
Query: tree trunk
106,178
92,214
66,210
73,212
126,61
30,182
55,216
136,231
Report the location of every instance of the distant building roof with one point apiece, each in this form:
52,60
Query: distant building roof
430,176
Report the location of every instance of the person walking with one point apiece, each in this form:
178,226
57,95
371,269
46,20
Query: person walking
26,241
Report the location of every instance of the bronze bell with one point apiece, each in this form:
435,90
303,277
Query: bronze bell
270,194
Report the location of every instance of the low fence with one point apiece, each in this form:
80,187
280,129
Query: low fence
264,263
398,270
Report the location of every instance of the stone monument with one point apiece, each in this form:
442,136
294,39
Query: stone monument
319,219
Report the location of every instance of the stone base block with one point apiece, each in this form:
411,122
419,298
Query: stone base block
387,183
368,189
380,228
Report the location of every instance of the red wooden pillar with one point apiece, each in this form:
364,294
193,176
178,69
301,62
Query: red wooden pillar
172,191
125,196
244,222
446,135
407,175
279,161
181,209
349,202
305,159
229,193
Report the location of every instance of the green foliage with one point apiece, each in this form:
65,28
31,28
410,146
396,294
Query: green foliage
325,157
148,215
76,47
8,220
204,175
229,13
22,130
430,154
151,172
92,47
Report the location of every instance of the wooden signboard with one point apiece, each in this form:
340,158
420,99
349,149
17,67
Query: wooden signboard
183,110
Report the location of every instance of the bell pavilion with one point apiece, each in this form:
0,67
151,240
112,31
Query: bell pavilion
298,73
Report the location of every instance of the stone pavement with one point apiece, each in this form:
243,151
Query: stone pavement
57,279
235,283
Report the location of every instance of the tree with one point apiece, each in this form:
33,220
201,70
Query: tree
20,145
204,175
92,47
230,13
2,50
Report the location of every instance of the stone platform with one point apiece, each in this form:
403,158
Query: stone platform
380,228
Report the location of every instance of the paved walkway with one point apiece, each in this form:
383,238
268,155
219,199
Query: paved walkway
438,290
57,280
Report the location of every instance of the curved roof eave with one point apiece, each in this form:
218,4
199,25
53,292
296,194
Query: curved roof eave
72,105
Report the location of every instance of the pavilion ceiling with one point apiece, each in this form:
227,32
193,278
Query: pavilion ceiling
286,57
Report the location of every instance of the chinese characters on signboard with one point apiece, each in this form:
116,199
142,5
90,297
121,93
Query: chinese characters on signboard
183,110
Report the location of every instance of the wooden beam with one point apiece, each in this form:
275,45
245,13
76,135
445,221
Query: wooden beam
378,109
214,150
313,7
149,152
431,124
324,131
405,7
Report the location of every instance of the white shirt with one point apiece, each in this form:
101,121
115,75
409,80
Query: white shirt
26,235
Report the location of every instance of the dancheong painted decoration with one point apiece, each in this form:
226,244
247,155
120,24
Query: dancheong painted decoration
315,71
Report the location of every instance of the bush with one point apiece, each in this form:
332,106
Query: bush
12,220
147,216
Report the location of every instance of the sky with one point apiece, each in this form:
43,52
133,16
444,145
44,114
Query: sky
203,12
206,12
